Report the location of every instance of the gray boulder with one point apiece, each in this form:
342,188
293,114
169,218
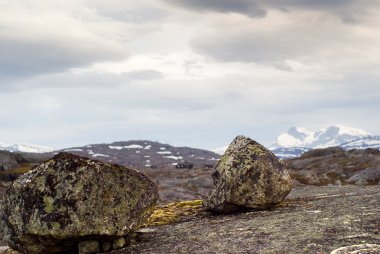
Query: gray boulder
248,176
70,200
366,177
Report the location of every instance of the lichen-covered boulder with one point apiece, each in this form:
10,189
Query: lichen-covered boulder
248,176
71,199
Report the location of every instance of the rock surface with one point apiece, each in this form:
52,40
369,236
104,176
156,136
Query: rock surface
336,166
248,176
358,249
70,199
311,220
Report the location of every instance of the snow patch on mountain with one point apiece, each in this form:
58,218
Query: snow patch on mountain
26,148
220,150
334,135
289,153
298,140
364,143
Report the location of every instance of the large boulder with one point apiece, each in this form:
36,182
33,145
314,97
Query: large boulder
248,176
70,200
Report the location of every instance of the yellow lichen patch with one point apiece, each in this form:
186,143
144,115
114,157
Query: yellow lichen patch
48,201
56,225
173,212
25,167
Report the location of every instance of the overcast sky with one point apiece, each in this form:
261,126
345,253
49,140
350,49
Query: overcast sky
185,72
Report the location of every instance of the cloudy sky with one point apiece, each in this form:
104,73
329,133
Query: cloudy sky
185,72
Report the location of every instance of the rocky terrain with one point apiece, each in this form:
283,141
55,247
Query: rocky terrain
181,184
331,166
14,164
337,166
317,167
311,220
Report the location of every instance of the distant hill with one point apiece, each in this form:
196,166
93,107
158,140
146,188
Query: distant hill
335,165
144,154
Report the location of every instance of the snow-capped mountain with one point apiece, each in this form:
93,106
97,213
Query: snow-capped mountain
289,152
26,148
332,136
299,140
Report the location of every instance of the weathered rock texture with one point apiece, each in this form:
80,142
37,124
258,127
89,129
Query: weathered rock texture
336,166
248,175
311,220
71,199
358,249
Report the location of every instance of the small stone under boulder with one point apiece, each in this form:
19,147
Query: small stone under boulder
71,203
248,176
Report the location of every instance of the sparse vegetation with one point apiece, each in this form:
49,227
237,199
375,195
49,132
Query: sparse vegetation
174,212
25,167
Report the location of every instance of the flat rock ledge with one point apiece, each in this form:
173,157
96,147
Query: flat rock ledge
311,220
358,249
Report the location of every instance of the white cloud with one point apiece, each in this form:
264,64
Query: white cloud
49,37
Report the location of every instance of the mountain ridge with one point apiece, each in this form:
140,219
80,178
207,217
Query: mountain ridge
333,135
145,154
291,144
298,140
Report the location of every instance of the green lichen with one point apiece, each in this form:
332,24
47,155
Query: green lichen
48,202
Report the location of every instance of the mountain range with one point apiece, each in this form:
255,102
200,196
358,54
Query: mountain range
299,140
149,154
25,148
145,154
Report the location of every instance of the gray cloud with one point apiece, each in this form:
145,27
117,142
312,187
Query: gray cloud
22,57
140,14
310,38
48,38
347,9
247,7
